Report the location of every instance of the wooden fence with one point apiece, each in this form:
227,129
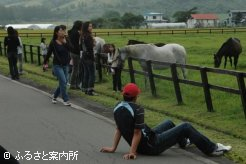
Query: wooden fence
32,55
204,83
142,32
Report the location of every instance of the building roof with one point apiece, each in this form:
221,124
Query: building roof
204,16
152,13
236,11
31,26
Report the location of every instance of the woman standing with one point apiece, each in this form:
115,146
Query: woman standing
116,68
12,42
43,51
60,48
19,54
88,59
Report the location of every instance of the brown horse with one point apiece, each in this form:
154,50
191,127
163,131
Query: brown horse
231,48
132,42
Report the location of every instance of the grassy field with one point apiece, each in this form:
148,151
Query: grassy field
226,124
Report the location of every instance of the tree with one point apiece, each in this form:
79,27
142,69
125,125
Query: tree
183,16
238,18
130,20
111,14
98,22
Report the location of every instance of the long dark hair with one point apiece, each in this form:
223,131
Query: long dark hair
56,29
85,28
10,31
77,25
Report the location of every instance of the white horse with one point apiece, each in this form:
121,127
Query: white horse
171,53
99,42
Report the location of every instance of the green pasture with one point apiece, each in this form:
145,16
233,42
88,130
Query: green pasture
226,124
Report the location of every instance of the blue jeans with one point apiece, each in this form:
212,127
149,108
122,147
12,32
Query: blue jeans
89,74
168,135
61,73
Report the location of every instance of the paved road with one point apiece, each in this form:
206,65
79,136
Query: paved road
35,129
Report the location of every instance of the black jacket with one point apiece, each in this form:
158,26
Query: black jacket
61,53
12,42
88,42
74,38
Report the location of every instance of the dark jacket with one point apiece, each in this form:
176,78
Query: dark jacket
88,42
61,53
74,38
12,42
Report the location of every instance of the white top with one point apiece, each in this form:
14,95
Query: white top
43,48
20,47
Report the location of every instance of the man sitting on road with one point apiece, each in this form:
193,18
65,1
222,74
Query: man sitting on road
129,118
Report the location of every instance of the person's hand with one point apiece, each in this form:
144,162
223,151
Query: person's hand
107,150
112,71
130,156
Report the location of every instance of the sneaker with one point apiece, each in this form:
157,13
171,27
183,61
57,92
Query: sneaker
54,101
185,143
67,103
220,149
188,143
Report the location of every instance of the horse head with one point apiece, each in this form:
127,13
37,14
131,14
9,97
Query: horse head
120,57
217,61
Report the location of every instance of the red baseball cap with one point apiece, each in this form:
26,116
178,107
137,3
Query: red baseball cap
131,90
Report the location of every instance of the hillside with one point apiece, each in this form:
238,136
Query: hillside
87,9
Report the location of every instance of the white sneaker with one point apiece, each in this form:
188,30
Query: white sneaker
54,101
220,149
67,103
188,143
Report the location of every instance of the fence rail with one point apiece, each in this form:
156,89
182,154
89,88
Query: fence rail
33,53
142,32
204,83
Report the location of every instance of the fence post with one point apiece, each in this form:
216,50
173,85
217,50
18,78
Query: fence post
38,52
31,53
151,77
1,49
99,67
131,70
24,51
5,51
206,89
241,86
176,83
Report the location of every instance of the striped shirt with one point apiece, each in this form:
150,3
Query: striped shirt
129,116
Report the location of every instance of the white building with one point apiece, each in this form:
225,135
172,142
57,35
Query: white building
203,20
168,25
31,26
233,17
154,17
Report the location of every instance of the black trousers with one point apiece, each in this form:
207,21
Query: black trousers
12,58
117,85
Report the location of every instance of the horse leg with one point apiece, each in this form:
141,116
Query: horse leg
235,61
144,68
184,72
225,61
230,60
